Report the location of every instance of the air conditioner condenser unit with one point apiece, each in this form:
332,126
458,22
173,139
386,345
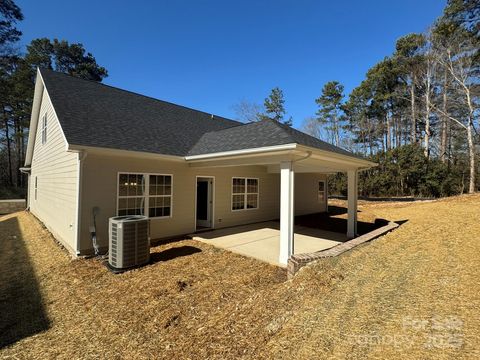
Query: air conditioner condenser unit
129,242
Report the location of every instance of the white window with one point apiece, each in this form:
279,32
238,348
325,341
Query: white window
160,195
44,129
244,193
321,191
144,194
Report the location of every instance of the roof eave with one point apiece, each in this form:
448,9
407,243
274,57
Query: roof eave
121,152
251,151
352,161
362,164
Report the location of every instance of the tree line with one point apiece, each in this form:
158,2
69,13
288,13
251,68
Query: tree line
422,99
17,77
415,113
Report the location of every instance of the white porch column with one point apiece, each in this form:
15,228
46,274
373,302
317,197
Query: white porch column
286,210
352,203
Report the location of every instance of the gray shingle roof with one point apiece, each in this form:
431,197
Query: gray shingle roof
98,115
258,134
94,114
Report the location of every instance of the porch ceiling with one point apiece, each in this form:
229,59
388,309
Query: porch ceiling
261,240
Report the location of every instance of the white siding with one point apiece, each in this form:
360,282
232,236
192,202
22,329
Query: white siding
306,193
99,189
57,173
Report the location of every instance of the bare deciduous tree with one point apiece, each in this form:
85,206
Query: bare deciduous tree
247,111
457,57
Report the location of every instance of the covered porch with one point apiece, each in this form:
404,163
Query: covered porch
275,242
262,240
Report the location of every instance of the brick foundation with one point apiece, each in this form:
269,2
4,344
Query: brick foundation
297,261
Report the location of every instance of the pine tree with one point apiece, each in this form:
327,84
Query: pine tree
329,114
275,108
10,14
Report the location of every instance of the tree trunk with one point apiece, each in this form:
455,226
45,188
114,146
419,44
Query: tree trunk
18,140
337,136
9,149
449,143
413,112
427,117
471,145
426,150
471,153
370,141
395,132
443,139
389,133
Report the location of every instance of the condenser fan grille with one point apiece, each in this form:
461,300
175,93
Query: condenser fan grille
129,241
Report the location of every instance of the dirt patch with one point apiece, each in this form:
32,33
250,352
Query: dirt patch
413,293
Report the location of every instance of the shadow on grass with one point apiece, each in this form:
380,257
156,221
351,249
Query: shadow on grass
158,242
22,313
173,253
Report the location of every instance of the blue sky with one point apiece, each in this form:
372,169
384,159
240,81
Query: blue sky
210,55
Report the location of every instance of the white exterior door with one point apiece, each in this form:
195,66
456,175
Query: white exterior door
204,205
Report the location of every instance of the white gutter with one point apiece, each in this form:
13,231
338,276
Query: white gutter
264,149
314,153
341,157
309,154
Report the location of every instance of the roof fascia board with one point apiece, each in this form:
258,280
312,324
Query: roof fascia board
247,160
252,151
119,152
351,160
32,133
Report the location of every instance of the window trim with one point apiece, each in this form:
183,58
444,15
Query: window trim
324,191
147,192
36,188
44,128
245,194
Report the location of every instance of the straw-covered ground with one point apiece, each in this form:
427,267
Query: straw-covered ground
413,293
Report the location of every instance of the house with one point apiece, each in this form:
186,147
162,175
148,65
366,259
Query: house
93,146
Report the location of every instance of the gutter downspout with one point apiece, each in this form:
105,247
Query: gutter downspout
81,157
27,170
309,154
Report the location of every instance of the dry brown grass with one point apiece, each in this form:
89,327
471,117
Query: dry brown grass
214,304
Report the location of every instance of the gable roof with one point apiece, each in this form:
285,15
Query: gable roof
258,134
98,115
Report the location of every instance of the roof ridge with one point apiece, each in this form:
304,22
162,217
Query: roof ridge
232,127
216,132
283,127
138,94
284,134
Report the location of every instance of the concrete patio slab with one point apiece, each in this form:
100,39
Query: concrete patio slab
261,241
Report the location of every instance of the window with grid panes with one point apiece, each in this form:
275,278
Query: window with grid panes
244,193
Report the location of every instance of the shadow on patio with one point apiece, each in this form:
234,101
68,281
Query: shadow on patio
313,232
336,221
22,313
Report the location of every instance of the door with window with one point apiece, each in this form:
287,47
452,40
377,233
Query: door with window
204,205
